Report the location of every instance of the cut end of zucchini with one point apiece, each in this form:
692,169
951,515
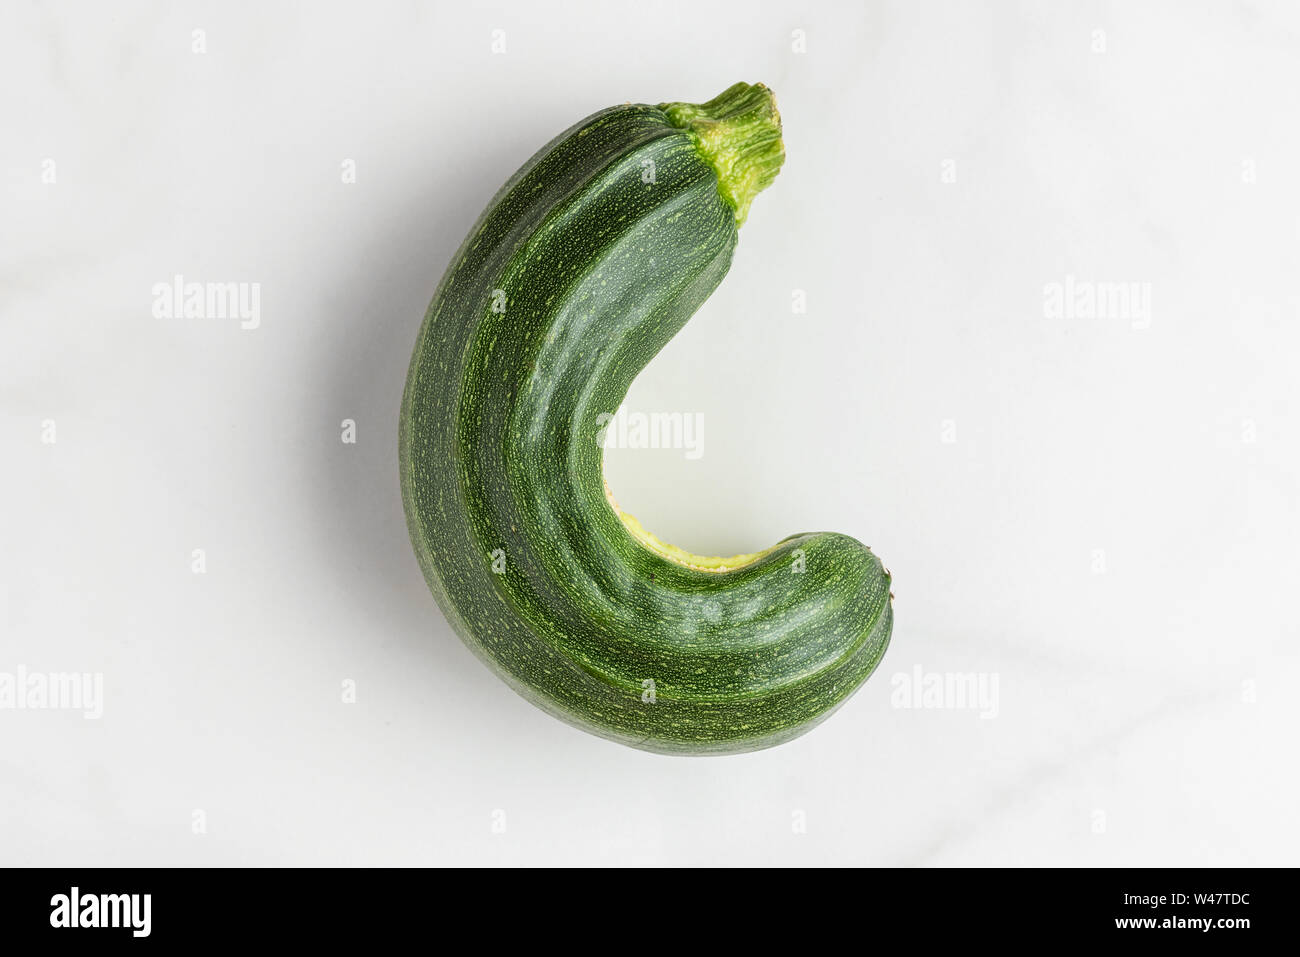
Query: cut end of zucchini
739,133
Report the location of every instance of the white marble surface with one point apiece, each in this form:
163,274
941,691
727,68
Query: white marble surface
1100,512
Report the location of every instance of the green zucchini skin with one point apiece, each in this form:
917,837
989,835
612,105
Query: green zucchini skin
596,270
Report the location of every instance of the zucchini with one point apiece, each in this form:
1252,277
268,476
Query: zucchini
582,268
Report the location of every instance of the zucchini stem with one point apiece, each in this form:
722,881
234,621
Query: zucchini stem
738,133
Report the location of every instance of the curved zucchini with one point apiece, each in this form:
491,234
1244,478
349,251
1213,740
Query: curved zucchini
582,268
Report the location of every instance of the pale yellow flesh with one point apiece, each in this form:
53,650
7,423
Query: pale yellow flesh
702,563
